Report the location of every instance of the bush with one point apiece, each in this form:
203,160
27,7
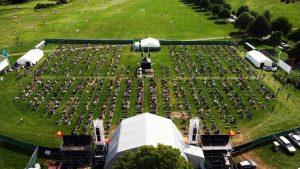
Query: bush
62,1
43,6
11,2
294,35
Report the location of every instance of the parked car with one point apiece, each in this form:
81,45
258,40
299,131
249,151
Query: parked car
270,68
287,145
248,164
295,139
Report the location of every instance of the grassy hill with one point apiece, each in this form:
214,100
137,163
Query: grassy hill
277,8
164,19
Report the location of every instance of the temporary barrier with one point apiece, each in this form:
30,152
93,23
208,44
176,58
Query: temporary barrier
131,41
90,41
199,42
55,152
33,158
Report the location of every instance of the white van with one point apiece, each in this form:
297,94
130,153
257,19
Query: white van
287,145
295,138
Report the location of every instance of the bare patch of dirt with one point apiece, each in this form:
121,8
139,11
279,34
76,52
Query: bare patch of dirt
251,155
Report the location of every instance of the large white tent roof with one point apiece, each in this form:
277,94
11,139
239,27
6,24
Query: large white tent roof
32,56
150,43
140,130
258,56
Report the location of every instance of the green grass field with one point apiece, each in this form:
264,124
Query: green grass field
277,8
116,19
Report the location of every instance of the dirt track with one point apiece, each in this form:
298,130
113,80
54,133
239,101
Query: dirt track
253,156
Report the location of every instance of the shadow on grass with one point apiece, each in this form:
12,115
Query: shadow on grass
193,6
254,41
238,34
212,18
16,149
220,22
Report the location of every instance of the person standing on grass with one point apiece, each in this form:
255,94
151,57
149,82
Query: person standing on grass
278,91
272,109
288,96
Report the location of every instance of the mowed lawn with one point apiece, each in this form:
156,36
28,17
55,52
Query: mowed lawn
277,8
112,19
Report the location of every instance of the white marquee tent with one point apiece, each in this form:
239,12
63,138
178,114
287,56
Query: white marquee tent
148,129
258,59
3,64
31,57
150,43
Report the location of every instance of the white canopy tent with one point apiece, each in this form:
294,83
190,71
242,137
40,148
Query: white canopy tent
146,129
31,57
258,59
150,43
3,64
287,68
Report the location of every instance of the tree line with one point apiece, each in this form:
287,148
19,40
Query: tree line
253,24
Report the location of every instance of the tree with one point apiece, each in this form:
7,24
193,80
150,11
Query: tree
242,9
227,6
281,24
260,27
210,7
149,157
294,35
233,12
216,9
204,3
268,15
275,38
224,14
217,1
244,21
254,14
294,53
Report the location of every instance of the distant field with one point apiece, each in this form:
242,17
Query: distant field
113,19
276,7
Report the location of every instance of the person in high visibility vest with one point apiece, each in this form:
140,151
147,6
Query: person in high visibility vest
107,140
186,140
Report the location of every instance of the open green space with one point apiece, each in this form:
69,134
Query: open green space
277,8
115,19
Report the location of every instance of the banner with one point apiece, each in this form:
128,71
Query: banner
3,64
284,66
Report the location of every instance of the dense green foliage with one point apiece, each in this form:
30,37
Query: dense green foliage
150,157
244,21
224,14
216,9
268,15
294,52
275,38
281,24
294,35
242,9
11,2
261,27
43,6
